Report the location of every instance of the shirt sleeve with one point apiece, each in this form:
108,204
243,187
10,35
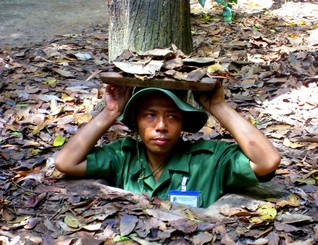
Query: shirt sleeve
238,171
103,161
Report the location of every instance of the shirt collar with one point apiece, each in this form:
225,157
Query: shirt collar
183,153
179,161
140,167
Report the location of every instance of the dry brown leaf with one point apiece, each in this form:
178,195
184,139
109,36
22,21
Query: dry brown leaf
64,73
294,218
140,68
127,224
291,144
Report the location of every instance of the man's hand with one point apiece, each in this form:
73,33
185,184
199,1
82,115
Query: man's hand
210,98
116,97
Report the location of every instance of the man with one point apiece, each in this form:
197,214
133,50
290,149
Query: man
162,164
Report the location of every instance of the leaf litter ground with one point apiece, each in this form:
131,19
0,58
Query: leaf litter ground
267,61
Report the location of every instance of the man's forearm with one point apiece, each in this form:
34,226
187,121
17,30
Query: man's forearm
80,144
263,155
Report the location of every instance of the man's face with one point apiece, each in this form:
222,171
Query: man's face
159,123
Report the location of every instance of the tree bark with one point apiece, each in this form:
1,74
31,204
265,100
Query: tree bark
147,24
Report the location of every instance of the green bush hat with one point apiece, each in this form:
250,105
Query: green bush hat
194,119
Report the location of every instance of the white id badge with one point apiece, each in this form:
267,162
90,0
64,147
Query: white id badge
190,198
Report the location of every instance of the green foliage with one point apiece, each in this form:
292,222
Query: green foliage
59,141
227,10
202,2
16,133
119,238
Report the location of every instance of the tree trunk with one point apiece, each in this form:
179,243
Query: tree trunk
147,24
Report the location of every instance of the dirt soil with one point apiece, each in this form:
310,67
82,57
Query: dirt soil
26,21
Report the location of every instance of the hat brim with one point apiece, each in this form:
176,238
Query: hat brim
194,119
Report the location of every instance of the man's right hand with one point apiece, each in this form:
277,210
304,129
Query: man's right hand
116,97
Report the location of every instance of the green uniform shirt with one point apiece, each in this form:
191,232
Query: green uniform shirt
212,168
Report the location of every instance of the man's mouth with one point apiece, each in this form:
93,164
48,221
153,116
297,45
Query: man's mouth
160,141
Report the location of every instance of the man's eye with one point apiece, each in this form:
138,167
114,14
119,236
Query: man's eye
150,115
173,116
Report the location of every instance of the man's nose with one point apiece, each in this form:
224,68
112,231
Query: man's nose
161,124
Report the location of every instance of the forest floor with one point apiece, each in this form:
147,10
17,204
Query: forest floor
267,60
